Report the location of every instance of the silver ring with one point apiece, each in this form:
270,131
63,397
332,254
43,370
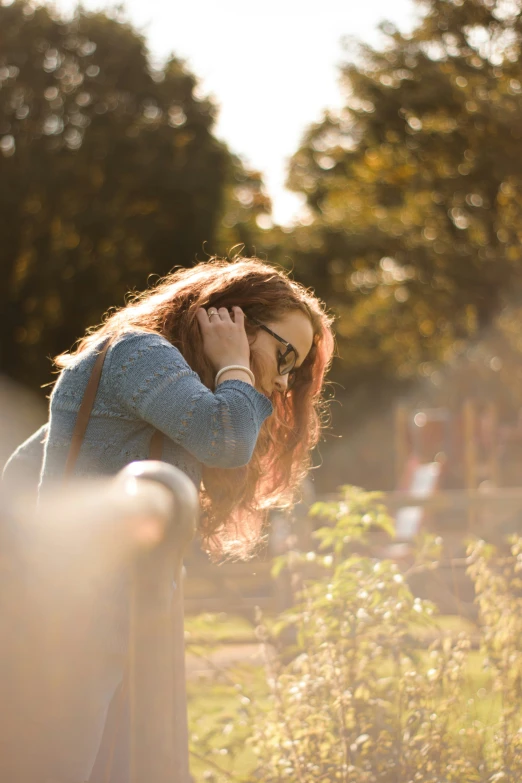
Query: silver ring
212,311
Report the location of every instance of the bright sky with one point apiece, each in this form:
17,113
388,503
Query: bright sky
271,66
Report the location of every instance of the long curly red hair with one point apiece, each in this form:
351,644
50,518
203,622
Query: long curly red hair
235,501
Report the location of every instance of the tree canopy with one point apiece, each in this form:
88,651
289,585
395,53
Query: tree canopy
109,172
414,189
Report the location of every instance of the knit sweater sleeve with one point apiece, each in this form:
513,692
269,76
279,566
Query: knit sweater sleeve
152,381
24,465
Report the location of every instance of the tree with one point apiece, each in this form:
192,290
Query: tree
414,189
109,172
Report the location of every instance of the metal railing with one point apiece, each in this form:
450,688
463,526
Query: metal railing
56,566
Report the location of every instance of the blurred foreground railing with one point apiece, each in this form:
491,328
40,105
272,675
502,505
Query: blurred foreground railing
60,569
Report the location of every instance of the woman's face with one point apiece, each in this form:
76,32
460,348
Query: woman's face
294,328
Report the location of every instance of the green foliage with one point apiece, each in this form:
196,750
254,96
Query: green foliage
214,628
245,223
220,713
361,700
109,172
350,519
498,584
414,189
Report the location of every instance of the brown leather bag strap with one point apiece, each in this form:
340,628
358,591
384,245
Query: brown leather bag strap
84,413
156,445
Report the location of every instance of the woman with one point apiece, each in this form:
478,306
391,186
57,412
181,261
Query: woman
227,361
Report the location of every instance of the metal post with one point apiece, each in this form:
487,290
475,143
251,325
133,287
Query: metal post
401,442
159,728
57,568
494,461
470,454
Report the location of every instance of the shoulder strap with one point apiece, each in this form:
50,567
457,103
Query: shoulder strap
84,413
156,445
82,419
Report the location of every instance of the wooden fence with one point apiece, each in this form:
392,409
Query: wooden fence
455,515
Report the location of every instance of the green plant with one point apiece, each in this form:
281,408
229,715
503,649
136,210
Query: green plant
358,697
498,585
358,702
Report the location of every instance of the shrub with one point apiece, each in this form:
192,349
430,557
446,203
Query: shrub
359,699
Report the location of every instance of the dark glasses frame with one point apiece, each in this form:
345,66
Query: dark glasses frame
282,356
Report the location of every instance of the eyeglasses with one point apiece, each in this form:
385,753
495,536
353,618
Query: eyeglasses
285,361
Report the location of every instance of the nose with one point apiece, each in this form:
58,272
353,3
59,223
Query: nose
281,383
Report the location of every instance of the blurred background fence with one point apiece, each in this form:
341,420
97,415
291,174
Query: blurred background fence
456,517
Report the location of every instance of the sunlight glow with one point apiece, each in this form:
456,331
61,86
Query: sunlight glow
272,68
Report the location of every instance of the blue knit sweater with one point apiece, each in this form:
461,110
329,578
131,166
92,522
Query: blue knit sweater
146,384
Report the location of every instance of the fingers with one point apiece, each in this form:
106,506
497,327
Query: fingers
239,316
214,315
224,314
225,341
203,319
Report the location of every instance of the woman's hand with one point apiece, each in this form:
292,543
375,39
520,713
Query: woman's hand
225,340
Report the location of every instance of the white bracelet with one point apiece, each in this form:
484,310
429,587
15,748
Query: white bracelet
236,367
